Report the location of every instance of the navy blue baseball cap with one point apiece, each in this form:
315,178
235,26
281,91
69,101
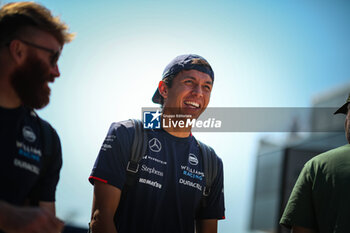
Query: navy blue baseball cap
184,62
344,109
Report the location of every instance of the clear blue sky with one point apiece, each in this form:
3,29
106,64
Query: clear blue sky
264,54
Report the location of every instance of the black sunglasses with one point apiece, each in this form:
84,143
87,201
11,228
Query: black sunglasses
54,54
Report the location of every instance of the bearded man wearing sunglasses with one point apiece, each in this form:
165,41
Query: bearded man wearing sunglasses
31,41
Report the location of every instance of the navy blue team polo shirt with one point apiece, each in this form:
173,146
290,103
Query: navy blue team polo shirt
169,186
21,157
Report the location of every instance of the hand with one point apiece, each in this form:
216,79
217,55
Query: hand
28,220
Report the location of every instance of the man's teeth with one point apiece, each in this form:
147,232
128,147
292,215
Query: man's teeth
192,103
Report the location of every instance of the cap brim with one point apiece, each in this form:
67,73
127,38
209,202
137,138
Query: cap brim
343,109
157,98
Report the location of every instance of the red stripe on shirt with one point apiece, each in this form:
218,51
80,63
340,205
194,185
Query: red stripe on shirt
99,179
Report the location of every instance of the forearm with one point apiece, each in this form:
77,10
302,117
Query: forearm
5,208
101,223
102,227
206,226
50,206
28,219
104,206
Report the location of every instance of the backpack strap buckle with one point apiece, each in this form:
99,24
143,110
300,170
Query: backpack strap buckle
206,191
132,167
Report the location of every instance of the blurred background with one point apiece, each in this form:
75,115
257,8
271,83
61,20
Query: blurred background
264,54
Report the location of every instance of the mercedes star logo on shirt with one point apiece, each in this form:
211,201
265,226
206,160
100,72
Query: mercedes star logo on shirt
155,145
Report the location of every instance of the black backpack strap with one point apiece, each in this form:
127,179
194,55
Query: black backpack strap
49,147
138,150
49,144
210,164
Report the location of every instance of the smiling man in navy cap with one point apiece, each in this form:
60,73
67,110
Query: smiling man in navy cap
320,199
170,184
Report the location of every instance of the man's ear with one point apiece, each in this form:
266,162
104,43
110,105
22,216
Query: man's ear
17,51
163,89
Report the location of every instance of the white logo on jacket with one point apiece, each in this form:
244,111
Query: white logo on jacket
28,134
192,159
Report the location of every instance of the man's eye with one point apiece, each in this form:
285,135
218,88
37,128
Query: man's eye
54,58
207,87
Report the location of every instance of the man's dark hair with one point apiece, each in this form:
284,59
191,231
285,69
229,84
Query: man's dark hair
169,80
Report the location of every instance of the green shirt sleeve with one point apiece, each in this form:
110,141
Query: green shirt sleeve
300,209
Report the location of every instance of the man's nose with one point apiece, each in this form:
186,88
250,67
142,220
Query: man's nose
55,71
197,90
